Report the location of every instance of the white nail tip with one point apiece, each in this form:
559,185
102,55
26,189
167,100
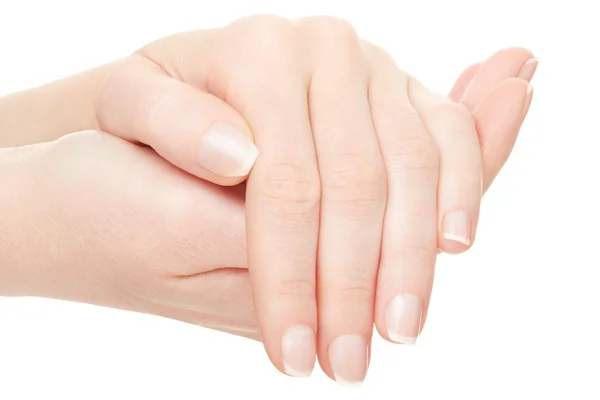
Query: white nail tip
529,90
457,238
532,61
343,382
401,339
295,373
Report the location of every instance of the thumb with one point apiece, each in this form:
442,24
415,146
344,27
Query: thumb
192,129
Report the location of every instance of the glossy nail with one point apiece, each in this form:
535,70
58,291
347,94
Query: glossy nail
403,318
457,227
528,98
226,151
349,357
528,69
299,351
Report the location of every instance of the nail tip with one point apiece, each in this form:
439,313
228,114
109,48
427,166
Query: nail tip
528,69
533,60
529,89
345,383
457,238
296,373
401,339
250,160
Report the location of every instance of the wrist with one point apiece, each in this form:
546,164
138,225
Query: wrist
24,232
48,112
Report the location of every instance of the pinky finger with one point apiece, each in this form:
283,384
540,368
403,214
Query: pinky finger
499,118
459,189
463,81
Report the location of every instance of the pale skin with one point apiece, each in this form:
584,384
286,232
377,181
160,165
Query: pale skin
360,174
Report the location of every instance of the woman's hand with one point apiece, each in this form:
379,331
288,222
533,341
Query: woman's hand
154,239
362,175
92,218
171,93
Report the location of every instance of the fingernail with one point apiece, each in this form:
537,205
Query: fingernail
528,98
299,351
403,318
457,227
349,359
528,69
226,151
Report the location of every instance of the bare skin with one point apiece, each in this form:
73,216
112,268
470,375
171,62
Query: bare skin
118,224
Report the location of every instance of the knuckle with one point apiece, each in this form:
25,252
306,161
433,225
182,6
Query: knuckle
334,28
262,21
296,287
355,289
334,34
290,191
269,36
356,181
416,152
268,49
379,57
447,108
416,253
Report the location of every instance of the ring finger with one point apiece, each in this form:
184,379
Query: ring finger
409,244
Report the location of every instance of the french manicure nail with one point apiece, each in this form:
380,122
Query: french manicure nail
528,69
225,151
299,351
457,227
403,318
349,359
528,98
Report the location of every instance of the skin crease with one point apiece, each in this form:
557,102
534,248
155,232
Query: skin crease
165,271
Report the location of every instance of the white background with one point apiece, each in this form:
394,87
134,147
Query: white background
515,318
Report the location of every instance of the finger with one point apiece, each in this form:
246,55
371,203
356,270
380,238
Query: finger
512,62
463,81
499,118
283,190
459,189
282,219
190,128
409,244
353,182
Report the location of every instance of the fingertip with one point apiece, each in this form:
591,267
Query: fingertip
456,232
463,82
453,245
528,69
515,62
298,351
226,152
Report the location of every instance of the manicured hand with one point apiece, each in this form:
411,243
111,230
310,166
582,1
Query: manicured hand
357,160
362,175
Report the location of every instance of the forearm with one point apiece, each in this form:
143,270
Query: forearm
15,189
47,112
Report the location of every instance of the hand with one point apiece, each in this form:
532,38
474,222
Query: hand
89,249
332,117
206,284
502,134
153,240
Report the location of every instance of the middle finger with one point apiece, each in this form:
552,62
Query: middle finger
353,182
